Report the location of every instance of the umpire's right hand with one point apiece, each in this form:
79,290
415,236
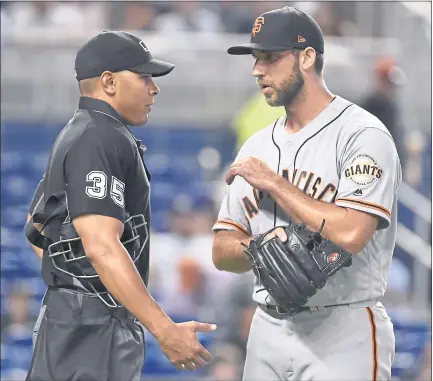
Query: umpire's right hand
181,346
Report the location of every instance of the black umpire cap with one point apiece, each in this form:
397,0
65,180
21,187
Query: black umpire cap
283,29
117,51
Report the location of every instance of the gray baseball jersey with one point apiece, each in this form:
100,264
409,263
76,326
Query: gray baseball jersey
345,156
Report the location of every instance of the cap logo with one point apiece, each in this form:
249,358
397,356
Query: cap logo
301,39
258,25
144,47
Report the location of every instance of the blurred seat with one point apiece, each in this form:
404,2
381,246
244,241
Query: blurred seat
13,374
14,216
19,264
410,341
17,350
171,157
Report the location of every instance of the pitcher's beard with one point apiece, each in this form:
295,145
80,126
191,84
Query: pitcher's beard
289,90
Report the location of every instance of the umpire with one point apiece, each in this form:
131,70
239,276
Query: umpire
93,205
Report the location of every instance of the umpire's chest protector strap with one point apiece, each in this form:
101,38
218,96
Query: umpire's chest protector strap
55,212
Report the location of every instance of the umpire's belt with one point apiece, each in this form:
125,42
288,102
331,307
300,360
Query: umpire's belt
71,305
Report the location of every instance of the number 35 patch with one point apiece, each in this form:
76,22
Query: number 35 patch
98,189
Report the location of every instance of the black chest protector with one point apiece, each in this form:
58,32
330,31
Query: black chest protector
68,255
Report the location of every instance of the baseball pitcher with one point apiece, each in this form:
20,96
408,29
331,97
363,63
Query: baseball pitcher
311,208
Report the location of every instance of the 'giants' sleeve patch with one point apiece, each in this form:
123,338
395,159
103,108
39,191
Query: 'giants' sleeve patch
370,174
363,170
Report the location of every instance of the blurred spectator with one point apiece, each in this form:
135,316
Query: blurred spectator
131,15
238,17
382,101
189,293
18,320
335,19
188,16
182,276
227,364
17,331
326,16
28,14
425,373
234,310
71,17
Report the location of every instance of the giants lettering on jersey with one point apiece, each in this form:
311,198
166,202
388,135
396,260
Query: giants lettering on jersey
363,170
308,182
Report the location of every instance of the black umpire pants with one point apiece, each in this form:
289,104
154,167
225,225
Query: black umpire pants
78,338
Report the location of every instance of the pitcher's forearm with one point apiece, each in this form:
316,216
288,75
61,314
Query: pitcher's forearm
346,227
228,252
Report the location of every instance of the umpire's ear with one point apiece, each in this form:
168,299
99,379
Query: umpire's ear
108,82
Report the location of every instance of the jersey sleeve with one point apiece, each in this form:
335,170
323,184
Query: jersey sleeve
370,174
232,214
37,203
96,171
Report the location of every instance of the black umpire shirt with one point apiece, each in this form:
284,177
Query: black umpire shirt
99,163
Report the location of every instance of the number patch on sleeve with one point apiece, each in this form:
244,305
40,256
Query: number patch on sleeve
117,191
98,189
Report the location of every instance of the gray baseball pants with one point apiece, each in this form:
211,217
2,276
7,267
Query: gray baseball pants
349,342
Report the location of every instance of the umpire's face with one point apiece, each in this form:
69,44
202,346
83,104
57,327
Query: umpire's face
134,95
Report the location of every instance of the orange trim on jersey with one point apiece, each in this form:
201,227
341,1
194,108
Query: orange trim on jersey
233,224
374,344
366,204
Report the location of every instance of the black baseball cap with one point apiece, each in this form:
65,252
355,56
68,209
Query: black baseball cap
283,29
117,51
